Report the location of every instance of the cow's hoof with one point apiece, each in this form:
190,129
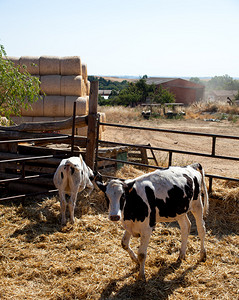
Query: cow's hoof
181,257
63,222
203,256
141,277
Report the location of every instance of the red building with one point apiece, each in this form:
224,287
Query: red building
185,91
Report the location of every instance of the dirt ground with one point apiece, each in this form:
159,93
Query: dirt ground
224,147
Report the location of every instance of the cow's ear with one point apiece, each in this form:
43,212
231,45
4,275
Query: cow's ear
98,177
101,185
128,187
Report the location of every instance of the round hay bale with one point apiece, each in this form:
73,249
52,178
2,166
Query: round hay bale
82,131
31,63
71,65
53,106
51,84
20,120
14,59
83,92
36,110
43,119
49,65
82,106
84,72
71,85
103,120
88,87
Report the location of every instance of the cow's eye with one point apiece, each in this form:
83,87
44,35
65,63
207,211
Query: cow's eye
122,201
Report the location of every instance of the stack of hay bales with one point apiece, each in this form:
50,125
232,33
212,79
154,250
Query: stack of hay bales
63,81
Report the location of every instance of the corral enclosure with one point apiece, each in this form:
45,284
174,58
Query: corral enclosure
39,259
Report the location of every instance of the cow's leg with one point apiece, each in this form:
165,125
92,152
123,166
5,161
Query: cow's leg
197,211
142,252
63,207
185,226
90,186
125,245
72,204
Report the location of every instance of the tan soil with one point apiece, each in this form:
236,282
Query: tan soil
224,147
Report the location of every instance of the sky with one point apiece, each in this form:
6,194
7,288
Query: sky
157,38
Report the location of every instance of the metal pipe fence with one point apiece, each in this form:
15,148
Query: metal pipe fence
22,160
214,138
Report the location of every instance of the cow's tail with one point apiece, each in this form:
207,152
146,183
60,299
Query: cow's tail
205,198
69,167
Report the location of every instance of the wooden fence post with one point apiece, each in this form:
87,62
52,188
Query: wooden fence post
92,125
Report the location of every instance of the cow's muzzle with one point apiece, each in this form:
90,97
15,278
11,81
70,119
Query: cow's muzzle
114,218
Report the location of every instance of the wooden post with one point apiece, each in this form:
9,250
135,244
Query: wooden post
170,153
73,129
92,125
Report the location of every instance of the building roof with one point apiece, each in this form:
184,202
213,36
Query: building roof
174,81
224,93
158,80
105,92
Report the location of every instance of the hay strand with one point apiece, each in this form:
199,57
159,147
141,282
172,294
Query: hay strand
41,259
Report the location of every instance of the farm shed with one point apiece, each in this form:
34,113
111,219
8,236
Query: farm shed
64,80
185,91
105,93
221,95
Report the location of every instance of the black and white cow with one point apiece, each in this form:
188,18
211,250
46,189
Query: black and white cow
72,176
163,195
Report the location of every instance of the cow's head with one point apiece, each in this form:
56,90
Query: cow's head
115,192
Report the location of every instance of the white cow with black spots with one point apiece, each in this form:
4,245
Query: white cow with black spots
161,196
72,176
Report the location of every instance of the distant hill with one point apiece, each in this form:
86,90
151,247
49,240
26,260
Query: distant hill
117,78
110,83
120,79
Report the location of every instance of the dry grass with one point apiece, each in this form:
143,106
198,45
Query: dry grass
220,110
41,260
120,114
200,110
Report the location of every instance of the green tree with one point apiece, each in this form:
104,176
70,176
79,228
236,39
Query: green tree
142,89
237,96
162,96
224,82
196,80
138,92
17,87
109,84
